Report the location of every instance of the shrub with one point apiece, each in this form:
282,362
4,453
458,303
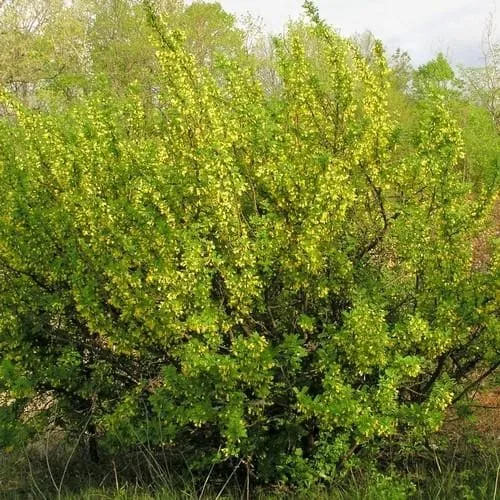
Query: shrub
283,282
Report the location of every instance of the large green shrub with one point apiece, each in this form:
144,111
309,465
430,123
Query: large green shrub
288,281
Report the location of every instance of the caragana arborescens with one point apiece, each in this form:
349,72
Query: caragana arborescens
285,280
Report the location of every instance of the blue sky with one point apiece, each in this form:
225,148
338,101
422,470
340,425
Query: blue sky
422,27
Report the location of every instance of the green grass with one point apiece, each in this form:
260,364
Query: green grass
467,467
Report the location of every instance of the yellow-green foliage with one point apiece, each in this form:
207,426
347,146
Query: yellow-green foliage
279,279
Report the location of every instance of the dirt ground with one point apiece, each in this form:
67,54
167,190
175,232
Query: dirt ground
486,409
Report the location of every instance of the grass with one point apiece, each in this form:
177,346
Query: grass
471,474
464,463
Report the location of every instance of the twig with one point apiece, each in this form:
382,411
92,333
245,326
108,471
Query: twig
49,469
66,465
496,484
207,478
117,484
228,479
437,462
33,480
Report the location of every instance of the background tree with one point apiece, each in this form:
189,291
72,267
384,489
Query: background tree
483,84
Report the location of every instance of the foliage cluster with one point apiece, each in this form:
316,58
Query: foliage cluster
282,281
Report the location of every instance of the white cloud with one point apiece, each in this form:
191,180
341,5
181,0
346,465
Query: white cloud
422,27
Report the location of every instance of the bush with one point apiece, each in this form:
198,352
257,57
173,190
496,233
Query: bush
283,283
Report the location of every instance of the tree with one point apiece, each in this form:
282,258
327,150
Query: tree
483,84
210,31
53,51
23,63
479,165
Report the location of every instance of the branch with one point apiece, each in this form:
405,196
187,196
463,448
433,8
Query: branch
439,369
477,381
28,274
486,407
377,192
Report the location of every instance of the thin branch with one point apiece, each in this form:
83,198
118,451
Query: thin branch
377,192
477,381
28,274
486,407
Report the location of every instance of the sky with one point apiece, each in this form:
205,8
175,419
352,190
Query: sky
421,27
